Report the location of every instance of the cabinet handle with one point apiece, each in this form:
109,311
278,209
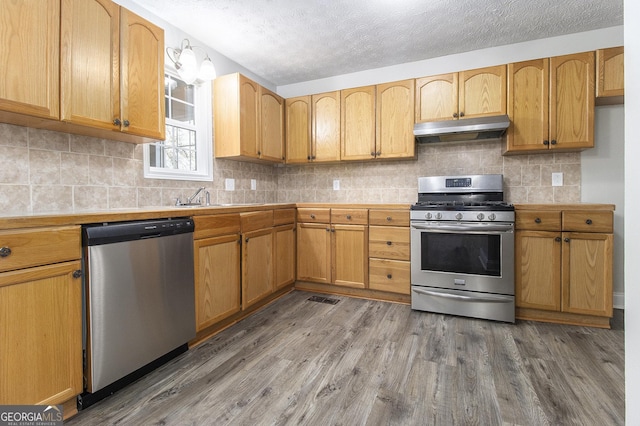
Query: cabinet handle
308,157
348,217
461,113
538,220
373,153
566,240
313,216
246,240
126,123
389,276
588,221
389,243
333,230
553,142
379,153
117,122
558,239
313,157
455,115
328,230
545,142
5,251
77,273
389,219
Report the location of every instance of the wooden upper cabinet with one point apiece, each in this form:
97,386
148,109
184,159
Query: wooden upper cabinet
90,85
482,92
141,77
29,57
572,98
394,120
467,94
325,139
610,81
298,129
271,126
358,123
528,105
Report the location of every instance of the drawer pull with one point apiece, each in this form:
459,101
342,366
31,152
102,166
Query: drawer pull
389,276
77,273
348,217
313,216
389,243
588,221
5,251
538,220
389,219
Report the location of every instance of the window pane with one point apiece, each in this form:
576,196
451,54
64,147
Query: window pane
183,91
182,112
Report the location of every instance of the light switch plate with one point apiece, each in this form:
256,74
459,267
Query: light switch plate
229,184
556,179
336,185
254,185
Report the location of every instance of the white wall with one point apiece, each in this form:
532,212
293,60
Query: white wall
602,170
632,206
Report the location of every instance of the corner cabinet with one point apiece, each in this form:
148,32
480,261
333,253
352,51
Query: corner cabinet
564,266
551,104
40,316
248,120
466,94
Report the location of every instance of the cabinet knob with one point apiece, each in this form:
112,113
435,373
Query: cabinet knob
461,113
545,142
389,219
259,153
313,216
5,251
328,230
117,122
566,240
333,230
77,273
126,123
348,217
308,157
558,239
373,153
588,222
538,220
313,157
389,243
246,240
379,153
455,115
553,142
389,276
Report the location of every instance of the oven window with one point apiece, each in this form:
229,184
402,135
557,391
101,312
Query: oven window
477,254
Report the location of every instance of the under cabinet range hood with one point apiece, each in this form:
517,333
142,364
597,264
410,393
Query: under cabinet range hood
462,130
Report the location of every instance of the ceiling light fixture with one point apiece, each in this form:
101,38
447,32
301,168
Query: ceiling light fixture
184,59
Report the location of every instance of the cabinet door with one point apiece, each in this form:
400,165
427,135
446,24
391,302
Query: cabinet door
284,255
271,126
141,76
325,145
572,99
587,273
298,129
394,120
314,252
358,123
528,106
483,92
538,270
29,57
350,255
217,279
41,335
437,98
610,72
90,63
249,92
257,266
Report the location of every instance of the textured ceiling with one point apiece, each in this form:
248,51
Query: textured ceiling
290,41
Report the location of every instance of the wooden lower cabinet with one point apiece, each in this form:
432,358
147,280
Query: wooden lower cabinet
217,267
257,266
389,254
538,269
41,334
390,275
314,252
284,240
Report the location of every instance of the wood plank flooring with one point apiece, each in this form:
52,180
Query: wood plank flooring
363,362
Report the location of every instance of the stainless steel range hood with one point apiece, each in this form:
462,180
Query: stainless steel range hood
462,130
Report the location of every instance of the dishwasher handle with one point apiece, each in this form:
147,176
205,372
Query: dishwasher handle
115,232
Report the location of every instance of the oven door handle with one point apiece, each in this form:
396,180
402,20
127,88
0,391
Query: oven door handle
467,227
496,299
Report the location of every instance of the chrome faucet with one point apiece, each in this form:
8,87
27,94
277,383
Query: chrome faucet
190,199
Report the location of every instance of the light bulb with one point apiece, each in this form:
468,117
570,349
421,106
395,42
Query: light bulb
207,70
188,70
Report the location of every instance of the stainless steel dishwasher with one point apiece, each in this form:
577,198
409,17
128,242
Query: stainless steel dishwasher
139,300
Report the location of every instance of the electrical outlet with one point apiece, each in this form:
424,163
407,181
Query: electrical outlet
229,184
254,185
336,185
556,179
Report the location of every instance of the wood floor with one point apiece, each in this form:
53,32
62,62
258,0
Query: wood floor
362,362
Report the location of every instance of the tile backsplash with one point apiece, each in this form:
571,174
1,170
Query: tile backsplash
42,171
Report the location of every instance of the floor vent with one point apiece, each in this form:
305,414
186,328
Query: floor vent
323,300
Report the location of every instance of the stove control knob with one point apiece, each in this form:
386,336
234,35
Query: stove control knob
428,216
438,216
480,216
492,216
459,216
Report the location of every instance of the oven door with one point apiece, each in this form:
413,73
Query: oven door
463,256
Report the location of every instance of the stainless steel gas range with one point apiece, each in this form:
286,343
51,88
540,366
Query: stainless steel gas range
462,243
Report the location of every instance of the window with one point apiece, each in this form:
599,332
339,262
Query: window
186,153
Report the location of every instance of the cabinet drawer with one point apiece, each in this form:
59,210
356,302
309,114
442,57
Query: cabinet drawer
314,215
216,225
253,221
539,220
39,246
284,216
350,216
389,242
389,217
390,275
587,221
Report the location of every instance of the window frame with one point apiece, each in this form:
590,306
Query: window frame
204,139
